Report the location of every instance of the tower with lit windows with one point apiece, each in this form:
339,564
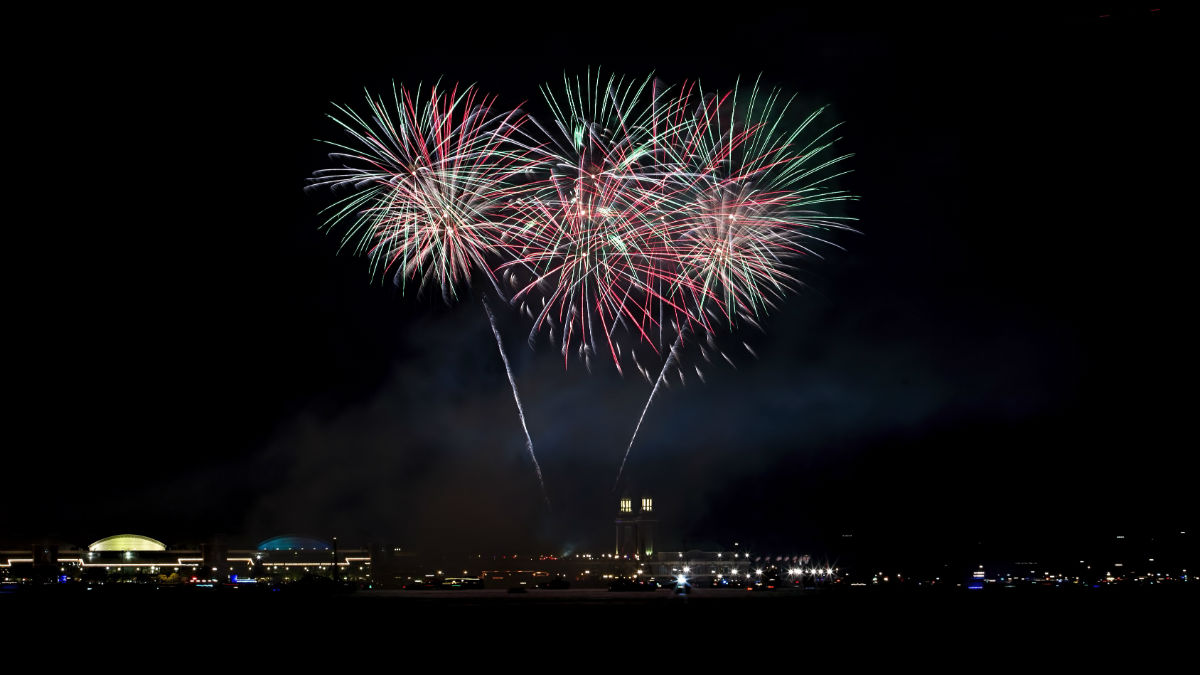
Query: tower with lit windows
635,527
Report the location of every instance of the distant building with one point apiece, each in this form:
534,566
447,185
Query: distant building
635,529
141,558
127,542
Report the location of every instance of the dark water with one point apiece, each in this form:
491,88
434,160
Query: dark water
1081,625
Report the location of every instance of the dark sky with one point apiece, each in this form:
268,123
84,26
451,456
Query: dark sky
1002,354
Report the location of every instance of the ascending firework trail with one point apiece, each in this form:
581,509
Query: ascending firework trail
429,180
662,375
516,398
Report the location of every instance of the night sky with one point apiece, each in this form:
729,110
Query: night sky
1002,354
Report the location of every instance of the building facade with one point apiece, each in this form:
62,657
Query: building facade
635,528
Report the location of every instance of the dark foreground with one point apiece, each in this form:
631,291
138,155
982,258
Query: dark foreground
1085,624
708,631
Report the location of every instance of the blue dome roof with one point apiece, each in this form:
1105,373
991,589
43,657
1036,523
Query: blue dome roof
289,542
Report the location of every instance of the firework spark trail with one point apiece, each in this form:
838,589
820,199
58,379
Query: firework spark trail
516,397
429,177
662,375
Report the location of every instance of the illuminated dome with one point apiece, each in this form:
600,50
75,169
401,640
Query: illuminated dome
290,542
127,542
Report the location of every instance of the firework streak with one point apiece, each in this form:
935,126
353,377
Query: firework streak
428,182
662,376
517,398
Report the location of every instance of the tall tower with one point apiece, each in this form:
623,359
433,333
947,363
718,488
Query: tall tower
635,527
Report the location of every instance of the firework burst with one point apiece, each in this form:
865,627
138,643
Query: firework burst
429,181
739,193
665,212
744,202
585,235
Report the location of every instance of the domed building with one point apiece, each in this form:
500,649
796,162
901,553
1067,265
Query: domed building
139,558
292,542
135,556
127,542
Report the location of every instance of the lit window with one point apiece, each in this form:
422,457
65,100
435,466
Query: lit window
626,506
647,504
